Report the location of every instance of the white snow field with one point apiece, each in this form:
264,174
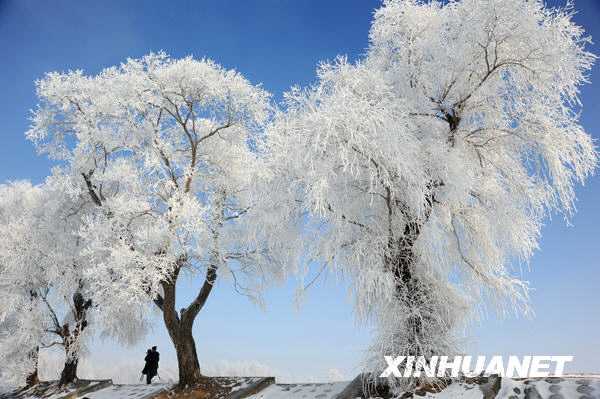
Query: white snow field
137,391
571,387
581,387
458,391
301,391
51,390
91,390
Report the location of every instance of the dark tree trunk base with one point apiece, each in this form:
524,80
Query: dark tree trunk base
69,372
187,358
180,324
32,379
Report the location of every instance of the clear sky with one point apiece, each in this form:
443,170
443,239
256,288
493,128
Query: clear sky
279,43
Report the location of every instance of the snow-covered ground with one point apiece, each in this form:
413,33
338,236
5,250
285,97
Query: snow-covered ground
92,390
579,387
555,388
136,391
47,390
301,391
458,391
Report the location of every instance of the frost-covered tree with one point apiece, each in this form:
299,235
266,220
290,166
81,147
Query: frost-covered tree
22,316
43,289
168,150
428,167
45,295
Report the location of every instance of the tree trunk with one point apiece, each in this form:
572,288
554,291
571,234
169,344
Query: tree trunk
180,325
69,372
71,338
187,357
181,335
33,378
400,262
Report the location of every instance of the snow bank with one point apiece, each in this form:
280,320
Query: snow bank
301,391
137,391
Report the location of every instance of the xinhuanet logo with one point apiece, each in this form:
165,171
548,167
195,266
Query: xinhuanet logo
453,366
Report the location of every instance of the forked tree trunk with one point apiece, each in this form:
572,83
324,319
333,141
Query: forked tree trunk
180,325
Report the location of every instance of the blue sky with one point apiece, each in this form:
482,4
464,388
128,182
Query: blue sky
279,43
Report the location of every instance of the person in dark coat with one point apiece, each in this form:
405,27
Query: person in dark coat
151,366
146,359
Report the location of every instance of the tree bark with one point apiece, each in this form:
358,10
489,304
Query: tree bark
33,378
69,372
187,357
415,295
71,338
400,261
401,264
